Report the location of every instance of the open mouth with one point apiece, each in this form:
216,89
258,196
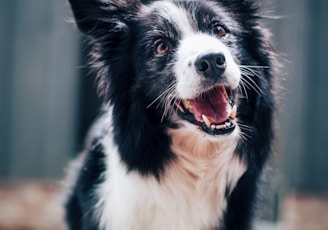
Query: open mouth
214,111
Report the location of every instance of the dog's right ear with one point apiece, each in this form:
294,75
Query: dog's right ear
98,17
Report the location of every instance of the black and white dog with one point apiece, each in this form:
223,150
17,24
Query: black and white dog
188,86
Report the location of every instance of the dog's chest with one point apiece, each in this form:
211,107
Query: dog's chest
191,195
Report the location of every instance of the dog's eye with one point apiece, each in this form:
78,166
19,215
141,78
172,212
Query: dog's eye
219,30
161,47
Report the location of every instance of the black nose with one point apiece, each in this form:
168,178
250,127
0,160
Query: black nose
211,65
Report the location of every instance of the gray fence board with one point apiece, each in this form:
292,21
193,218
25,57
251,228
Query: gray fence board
307,126
39,129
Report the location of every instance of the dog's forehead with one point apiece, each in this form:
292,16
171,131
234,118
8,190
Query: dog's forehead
171,13
187,14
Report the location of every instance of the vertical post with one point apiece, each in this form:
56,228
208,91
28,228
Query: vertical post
6,60
306,137
38,88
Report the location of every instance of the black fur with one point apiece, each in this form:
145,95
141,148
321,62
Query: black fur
78,211
128,81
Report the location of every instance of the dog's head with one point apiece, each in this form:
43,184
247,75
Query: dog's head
191,63
186,49
186,57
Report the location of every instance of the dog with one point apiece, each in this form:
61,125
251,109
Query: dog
188,91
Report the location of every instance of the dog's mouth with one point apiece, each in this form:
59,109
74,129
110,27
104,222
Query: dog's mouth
214,111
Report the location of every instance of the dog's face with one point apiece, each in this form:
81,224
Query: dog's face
187,63
187,60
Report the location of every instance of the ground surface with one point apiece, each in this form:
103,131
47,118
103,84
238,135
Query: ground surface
37,206
30,206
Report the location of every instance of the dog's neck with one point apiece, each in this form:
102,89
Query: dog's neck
198,145
200,160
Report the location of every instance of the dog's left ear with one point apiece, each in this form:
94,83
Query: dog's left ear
99,17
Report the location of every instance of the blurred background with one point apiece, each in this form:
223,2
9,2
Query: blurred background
47,102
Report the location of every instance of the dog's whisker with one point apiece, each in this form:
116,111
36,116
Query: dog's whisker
166,108
162,95
245,127
166,102
170,106
244,136
252,71
256,66
243,87
251,83
249,86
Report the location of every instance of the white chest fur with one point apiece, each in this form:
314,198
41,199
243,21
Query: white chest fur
191,194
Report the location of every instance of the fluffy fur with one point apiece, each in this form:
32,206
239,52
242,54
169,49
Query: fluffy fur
188,121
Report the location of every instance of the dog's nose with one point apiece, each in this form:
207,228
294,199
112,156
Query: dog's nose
211,65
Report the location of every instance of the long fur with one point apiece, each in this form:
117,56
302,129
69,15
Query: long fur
145,166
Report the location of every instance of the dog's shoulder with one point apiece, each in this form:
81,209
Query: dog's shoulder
86,172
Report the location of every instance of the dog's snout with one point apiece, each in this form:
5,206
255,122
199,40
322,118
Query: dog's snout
211,65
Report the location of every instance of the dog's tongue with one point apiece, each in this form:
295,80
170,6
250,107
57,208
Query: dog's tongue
213,105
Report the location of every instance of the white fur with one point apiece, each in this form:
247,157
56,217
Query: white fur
190,194
172,13
189,82
194,43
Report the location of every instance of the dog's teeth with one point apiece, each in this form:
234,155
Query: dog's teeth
221,126
224,126
233,113
206,120
224,91
213,127
187,105
180,107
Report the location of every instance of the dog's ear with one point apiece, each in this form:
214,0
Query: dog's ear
98,17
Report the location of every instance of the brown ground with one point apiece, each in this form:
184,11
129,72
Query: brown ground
38,206
31,206
305,212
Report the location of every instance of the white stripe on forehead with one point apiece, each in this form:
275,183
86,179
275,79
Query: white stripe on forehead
172,13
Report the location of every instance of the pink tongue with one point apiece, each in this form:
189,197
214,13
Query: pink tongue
213,105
